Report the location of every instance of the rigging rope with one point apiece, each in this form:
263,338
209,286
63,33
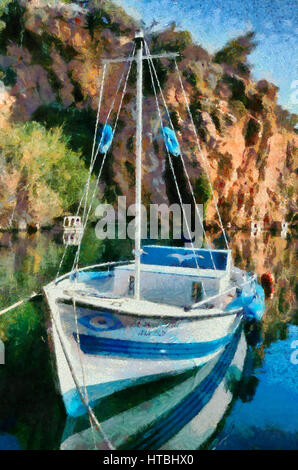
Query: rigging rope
109,113
94,157
76,260
150,63
205,160
84,195
182,160
94,138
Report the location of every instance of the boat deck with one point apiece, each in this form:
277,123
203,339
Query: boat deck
176,270
67,291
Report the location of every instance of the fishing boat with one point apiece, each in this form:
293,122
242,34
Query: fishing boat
166,311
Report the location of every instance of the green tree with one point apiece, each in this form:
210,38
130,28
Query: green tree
3,9
236,51
51,175
202,190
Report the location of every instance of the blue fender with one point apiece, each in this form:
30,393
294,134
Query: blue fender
253,305
255,310
239,302
171,141
105,139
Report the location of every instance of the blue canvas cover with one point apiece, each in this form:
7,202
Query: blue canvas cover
255,310
171,141
184,257
85,276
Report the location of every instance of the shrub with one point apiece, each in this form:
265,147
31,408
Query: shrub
171,40
202,190
11,22
237,108
51,173
78,125
99,19
237,87
235,53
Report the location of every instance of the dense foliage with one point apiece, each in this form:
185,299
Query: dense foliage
46,175
3,9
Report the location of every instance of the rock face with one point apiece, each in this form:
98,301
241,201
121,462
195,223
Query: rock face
247,139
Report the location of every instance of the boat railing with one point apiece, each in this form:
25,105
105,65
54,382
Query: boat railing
109,264
221,294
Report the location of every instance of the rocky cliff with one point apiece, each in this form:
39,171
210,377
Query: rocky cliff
50,64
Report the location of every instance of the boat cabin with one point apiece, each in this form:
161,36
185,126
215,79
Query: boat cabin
176,276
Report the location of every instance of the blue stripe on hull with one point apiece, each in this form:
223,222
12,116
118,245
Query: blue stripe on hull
145,350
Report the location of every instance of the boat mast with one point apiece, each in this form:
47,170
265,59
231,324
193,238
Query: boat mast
139,57
138,220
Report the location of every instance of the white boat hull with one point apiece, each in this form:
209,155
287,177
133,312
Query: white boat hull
143,348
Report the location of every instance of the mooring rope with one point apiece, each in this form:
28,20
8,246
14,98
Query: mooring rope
82,369
20,302
72,372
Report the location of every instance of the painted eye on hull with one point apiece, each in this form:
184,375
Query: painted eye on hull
103,321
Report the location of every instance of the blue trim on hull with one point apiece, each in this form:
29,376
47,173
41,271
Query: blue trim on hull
145,350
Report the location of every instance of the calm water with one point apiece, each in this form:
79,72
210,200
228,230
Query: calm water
252,401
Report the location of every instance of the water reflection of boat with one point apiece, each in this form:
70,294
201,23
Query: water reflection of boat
73,231
72,238
181,414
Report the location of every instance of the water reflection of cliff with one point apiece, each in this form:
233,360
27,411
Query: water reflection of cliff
268,253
